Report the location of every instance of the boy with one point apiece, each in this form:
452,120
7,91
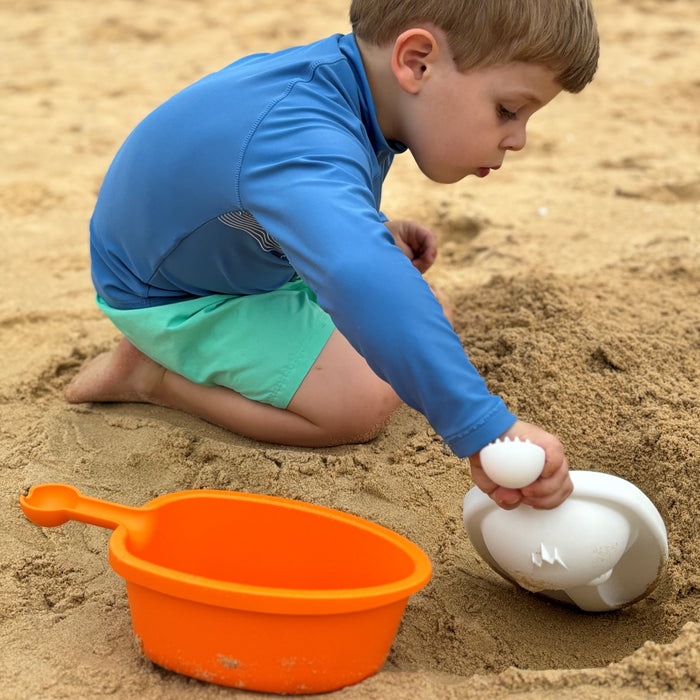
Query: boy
238,245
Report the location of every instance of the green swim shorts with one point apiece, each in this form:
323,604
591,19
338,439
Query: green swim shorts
259,345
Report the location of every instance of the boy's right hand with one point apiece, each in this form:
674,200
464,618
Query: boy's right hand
417,242
551,489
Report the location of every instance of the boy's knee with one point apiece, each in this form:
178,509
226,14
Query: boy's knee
366,430
365,420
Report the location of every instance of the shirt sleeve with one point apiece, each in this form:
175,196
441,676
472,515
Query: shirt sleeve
310,186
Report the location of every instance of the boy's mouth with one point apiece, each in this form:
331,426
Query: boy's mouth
483,172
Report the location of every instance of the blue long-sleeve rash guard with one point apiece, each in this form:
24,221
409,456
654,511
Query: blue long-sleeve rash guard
273,167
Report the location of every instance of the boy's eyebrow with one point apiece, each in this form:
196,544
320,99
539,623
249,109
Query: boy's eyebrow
527,96
530,97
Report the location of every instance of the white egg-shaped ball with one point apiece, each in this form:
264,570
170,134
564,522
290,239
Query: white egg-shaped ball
512,463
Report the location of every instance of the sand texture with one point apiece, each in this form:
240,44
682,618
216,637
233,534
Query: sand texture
575,273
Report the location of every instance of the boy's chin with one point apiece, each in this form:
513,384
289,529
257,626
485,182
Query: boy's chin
444,177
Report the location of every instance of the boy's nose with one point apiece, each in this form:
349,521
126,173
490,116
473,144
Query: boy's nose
515,141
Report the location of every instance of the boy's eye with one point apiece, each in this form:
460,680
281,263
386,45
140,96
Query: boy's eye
506,114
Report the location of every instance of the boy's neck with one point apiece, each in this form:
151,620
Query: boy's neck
383,86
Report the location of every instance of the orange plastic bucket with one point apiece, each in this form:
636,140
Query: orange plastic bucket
252,591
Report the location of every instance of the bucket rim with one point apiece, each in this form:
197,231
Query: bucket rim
253,598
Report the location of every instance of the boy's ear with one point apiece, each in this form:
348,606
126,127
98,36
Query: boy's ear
415,52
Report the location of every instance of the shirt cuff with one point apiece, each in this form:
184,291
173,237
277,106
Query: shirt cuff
491,426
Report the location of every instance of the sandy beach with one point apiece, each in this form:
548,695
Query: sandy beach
575,275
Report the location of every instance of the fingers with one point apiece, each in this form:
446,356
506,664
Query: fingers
417,242
423,243
424,260
550,491
554,455
553,449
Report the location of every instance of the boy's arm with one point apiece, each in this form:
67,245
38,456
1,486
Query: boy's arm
323,214
325,219
554,485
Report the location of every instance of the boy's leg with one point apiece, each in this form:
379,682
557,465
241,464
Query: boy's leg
340,400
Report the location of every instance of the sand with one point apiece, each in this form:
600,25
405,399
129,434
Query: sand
574,271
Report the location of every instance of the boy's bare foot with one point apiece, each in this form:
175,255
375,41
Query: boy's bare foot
124,374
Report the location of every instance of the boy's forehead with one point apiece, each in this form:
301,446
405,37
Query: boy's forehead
534,83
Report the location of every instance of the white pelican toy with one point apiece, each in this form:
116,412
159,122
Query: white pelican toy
604,548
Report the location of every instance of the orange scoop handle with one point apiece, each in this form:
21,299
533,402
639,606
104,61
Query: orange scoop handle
49,505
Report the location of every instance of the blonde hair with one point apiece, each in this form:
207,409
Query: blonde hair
559,34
